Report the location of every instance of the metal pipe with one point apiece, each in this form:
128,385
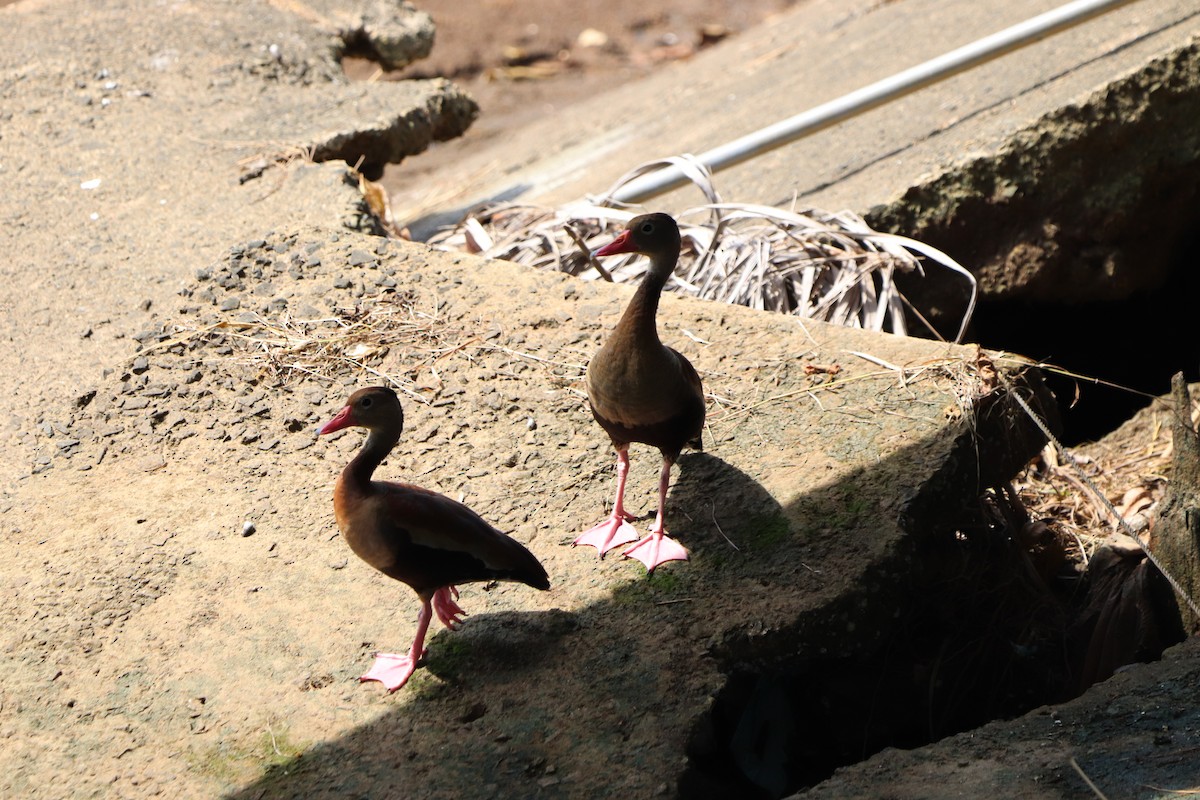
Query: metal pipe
878,93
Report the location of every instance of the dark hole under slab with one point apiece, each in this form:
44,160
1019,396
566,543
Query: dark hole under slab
980,630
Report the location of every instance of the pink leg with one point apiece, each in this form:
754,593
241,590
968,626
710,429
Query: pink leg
615,530
446,609
658,547
394,670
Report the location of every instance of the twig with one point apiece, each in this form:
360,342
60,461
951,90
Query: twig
1104,501
712,510
1087,780
582,245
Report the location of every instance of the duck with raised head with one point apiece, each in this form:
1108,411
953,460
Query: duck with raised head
415,535
642,391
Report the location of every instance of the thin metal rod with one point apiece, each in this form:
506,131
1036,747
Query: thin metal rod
862,100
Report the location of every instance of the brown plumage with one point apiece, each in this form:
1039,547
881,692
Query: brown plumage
640,390
415,535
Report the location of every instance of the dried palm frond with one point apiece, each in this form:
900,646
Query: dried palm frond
815,264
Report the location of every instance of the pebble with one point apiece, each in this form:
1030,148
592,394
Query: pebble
149,334
360,258
248,528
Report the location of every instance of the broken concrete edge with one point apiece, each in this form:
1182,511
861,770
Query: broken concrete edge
395,34
428,111
444,112
928,584
1064,163
989,446
303,103
1176,533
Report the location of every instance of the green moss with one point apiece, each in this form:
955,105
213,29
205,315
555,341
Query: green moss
767,531
664,583
270,754
450,655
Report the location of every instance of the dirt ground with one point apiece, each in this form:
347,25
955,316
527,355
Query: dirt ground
186,621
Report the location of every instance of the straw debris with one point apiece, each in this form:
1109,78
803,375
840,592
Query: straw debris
813,264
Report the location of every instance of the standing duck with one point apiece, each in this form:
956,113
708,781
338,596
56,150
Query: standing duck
640,390
414,535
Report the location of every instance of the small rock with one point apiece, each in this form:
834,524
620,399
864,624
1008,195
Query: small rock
248,528
151,463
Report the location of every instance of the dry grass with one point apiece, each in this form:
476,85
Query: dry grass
1108,488
350,340
814,264
390,339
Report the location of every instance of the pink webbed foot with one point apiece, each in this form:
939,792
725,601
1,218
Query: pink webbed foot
446,609
390,669
613,532
655,549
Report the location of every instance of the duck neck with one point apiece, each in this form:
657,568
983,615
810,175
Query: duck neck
639,317
380,442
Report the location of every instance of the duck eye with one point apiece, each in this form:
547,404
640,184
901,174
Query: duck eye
647,227
365,402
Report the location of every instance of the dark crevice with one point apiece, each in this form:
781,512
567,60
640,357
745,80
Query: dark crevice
980,614
1135,345
986,623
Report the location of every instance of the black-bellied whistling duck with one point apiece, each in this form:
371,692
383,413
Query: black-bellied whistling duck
643,391
414,535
